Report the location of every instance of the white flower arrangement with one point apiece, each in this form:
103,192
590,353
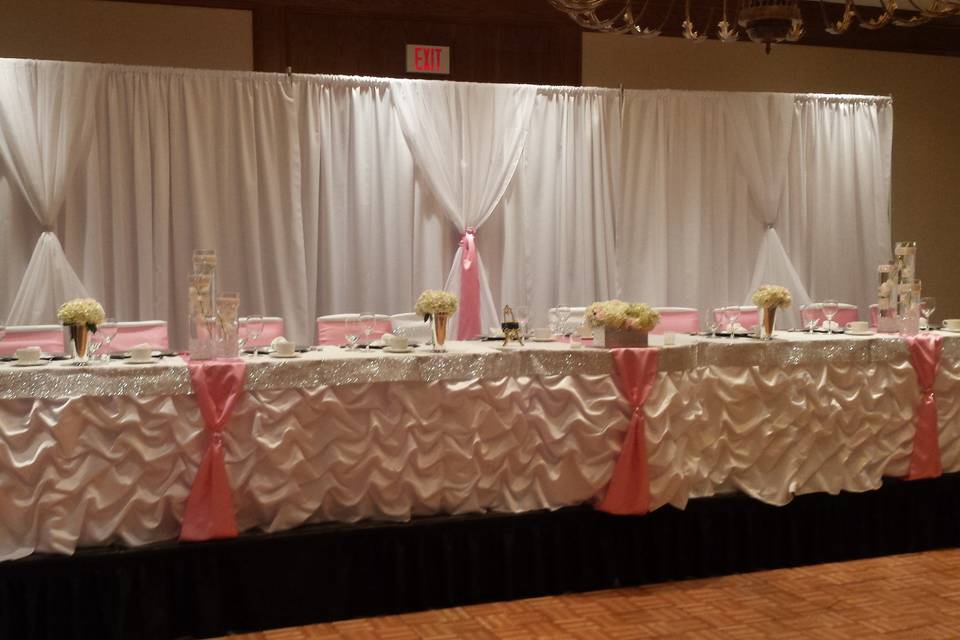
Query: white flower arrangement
433,302
626,316
85,311
771,295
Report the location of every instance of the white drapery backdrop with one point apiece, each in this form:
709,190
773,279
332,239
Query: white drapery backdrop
310,192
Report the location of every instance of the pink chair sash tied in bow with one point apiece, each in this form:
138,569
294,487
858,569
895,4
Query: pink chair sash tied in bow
925,353
629,488
217,386
469,324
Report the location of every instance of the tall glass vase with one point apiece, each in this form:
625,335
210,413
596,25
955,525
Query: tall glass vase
769,318
228,325
202,322
438,324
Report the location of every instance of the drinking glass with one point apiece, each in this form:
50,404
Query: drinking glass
106,332
710,322
830,309
563,314
808,313
367,321
253,329
523,317
351,332
928,305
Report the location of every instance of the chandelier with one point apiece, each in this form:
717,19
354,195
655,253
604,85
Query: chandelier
764,21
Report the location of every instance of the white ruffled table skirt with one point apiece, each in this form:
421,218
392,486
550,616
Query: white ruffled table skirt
112,457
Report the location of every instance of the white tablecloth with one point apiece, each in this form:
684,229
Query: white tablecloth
108,453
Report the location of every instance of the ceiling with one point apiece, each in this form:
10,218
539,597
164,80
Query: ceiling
940,37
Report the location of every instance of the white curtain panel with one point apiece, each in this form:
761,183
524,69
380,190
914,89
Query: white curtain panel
46,122
554,235
685,237
466,140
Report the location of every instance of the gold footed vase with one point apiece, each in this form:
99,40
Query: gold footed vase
80,338
438,323
769,318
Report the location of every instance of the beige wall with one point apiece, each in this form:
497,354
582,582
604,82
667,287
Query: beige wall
926,100
126,33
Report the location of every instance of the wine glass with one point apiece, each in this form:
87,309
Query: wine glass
523,317
367,321
253,329
808,313
830,309
104,335
351,332
563,314
928,305
733,313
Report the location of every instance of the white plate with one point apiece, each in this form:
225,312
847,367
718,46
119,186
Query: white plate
392,350
850,332
144,361
281,355
28,364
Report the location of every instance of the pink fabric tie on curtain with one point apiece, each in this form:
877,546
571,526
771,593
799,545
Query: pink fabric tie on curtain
629,490
217,385
469,325
925,353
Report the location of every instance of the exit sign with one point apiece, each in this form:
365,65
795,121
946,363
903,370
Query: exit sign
426,58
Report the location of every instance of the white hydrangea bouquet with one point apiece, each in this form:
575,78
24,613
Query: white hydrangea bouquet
432,302
81,316
81,311
619,324
769,298
772,296
625,316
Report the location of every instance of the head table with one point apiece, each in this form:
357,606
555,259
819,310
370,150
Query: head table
108,453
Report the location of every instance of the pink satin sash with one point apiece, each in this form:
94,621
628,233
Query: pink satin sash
217,385
629,488
925,350
469,324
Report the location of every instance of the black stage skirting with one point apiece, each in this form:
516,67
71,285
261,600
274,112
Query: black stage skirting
330,572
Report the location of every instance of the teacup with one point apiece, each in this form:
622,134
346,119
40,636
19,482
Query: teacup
953,324
858,326
28,355
397,343
542,333
141,353
285,348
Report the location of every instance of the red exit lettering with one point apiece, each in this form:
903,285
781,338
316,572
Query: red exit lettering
427,58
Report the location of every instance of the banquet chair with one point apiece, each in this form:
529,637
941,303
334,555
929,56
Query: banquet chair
273,328
749,317
845,313
130,334
49,337
577,315
412,327
677,319
332,330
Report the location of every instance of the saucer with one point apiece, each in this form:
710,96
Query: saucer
851,332
281,355
18,363
392,350
138,361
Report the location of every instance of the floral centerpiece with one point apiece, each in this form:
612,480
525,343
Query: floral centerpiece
437,307
771,297
621,324
81,317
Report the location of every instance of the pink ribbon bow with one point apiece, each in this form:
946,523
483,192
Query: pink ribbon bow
469,324
217,386
629,488
925,353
